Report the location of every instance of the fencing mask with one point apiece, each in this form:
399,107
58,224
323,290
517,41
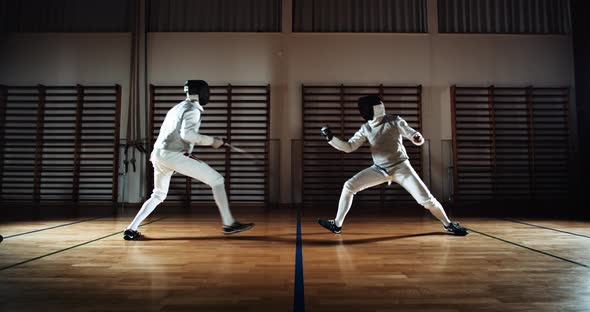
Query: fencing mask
197,90
371,107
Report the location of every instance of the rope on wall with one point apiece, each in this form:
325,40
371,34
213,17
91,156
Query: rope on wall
133,138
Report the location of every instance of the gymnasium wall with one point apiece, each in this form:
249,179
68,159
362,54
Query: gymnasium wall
287,60
581,44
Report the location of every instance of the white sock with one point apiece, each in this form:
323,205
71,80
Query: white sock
221,200
343,206
144,212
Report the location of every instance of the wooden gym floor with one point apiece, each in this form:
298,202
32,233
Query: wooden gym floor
379,263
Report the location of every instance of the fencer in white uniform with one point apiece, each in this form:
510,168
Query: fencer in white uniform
172,153
390,162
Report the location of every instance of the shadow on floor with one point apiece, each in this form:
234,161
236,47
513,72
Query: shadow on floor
338,240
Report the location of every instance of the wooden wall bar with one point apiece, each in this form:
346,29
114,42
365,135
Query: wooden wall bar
60,143
239,113
324,168
510,143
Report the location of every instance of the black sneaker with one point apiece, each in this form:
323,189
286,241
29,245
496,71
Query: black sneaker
237,227
131,235
330,225
456,228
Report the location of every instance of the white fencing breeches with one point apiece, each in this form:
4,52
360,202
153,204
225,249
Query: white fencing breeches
404,175
165,164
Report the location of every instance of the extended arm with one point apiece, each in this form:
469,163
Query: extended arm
346,146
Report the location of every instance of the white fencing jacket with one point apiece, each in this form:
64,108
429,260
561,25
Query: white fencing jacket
387,148
180,129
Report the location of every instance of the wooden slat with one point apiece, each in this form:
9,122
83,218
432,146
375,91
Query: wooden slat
39,144
3,99
116,151
71,132
527,131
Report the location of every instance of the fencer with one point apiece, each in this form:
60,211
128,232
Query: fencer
390,162
173,153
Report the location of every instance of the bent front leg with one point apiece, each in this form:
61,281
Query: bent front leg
361,181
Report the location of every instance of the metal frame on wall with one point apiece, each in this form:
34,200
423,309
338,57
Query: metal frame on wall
510,143
59,143
238,113
324,168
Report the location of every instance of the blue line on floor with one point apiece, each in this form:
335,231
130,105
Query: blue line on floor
299,298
